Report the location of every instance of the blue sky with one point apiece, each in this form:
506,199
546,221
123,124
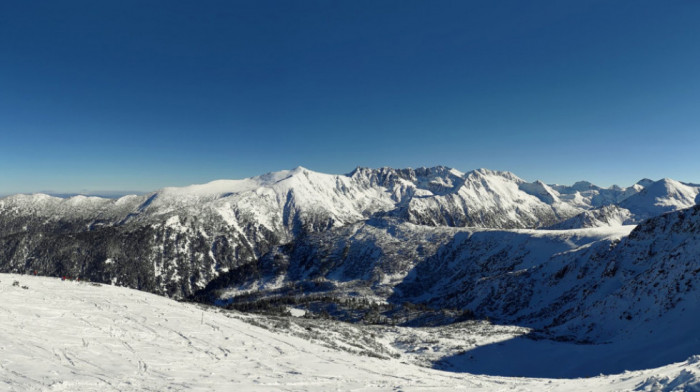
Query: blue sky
137,95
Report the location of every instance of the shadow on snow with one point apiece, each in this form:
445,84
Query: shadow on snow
524,356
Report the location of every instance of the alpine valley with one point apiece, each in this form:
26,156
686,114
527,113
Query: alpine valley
474,273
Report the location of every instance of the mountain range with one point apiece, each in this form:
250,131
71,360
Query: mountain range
575,263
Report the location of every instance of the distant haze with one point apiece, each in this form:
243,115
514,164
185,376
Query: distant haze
104,194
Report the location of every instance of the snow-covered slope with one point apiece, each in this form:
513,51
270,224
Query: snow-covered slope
661,196
71,336
651,277
587,195
497,273
609,215
636,293
632,205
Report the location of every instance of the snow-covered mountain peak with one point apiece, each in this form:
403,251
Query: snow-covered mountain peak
540,190
670,185
438,179
433,196
85,199
661,196
584,186
485,173
645,182
22,198
228,187
42,205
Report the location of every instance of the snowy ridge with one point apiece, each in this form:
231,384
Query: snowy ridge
588,195
661,196
435,196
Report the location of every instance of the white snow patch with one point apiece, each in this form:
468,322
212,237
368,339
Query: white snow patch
297,312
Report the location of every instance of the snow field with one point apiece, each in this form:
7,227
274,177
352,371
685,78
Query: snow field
76,336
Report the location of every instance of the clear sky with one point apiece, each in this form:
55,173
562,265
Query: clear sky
137,95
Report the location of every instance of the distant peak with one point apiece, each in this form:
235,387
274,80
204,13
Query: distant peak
406,172
483,172
540,190
583,186
33,196
645,182
666,183
299,170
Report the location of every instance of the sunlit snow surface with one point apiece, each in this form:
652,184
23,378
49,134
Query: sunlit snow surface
76,336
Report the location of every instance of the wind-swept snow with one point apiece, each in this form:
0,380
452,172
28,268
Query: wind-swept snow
76,336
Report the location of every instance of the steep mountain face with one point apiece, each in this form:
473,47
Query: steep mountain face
487,198
441,196
366,259
508,276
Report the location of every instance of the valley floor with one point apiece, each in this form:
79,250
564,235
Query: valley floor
77,336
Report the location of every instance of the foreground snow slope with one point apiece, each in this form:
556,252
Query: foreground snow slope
63,335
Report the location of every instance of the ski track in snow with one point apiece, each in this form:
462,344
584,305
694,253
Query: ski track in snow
75,336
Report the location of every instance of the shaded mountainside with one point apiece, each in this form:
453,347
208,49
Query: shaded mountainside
638,296
611,287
